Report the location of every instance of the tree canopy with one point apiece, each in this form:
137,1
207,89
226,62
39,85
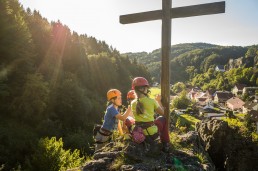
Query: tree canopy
53,82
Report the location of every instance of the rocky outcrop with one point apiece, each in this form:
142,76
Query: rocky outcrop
228,149
212,142
130,156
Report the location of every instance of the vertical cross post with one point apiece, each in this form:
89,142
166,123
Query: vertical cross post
165,56
166,15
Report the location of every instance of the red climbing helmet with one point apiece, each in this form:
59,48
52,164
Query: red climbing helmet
139,82
131,95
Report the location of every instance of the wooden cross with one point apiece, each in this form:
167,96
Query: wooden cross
166,14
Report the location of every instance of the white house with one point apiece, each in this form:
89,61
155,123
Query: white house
220,68
210,93
222,96
248,106
195,92
250,90
238,89
210,113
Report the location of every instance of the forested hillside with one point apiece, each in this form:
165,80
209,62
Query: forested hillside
189,60
53,82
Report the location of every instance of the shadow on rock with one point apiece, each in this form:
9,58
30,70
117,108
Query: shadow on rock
148,156
228,149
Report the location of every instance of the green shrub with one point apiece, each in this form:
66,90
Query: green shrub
181,102
79,139
249,123
255,137
50,155
178,87
17,142
237,124
183,129
187,122
117,163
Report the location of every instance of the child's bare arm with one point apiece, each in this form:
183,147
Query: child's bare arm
160,109
125,115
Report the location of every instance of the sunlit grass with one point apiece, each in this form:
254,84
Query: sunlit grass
234,122
202,158
175,140
117,163
88,158
240,115
237,124
191,120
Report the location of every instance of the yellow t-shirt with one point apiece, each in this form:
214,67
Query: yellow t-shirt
149,105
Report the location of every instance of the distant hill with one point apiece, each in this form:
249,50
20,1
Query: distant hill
189,58
154,56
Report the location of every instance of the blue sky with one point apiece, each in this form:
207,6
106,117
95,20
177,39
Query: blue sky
100,18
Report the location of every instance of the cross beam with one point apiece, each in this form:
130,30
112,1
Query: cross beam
180,12
166,14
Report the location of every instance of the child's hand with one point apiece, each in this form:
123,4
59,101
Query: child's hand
158,97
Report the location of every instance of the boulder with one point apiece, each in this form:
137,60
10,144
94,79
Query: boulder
109,154
135,167
228,149
148,156
97,165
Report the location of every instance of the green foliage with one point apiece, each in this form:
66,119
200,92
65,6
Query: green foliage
241,115
249,123
188,60
117,163
16,52
191,71
178,87
244,125
246,128
186,122
255,137
72,103
53,82
175,140
50,155
80,139
202,158
237,124
182,102
227,80
32,103
230,115
17,143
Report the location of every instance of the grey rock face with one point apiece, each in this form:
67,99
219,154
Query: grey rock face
227,148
